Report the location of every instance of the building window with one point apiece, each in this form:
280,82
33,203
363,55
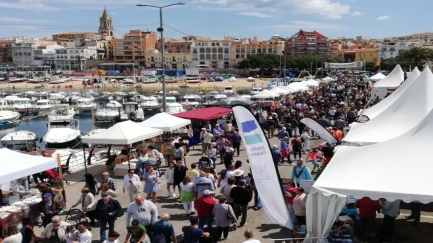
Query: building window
214,50
201,50
201,56
207,56
207,50
214,56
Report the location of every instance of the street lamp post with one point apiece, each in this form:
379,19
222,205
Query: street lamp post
161,30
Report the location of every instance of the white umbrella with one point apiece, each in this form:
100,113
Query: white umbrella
279,90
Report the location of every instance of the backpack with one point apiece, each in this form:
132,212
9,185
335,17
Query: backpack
223,174
296,144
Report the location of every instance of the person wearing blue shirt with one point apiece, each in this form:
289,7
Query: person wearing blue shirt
191,233
276,155
163,231
282,133
300,172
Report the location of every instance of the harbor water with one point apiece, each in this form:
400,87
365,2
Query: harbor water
38,125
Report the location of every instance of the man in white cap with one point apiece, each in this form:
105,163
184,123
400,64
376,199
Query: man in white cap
204,207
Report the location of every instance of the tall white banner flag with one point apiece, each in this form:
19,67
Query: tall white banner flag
263,168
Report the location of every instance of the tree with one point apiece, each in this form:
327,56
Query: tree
417,56
261,61
78,57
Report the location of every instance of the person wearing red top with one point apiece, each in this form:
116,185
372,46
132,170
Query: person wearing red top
204,207
290,196
367,214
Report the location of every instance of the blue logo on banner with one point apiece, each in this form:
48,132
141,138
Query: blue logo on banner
251,133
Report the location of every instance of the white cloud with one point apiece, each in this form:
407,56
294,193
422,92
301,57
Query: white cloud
19,20
306,25
354,14
29,4
383,17
256,14
332,9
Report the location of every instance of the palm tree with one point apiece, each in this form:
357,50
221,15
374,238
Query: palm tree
78,57
416,55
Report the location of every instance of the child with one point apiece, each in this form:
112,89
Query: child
71,230
112,237
169,175
313,159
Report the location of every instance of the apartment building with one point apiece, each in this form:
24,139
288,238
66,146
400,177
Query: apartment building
6,51
367,54
132,47
391,49
74,58
307,42
22,50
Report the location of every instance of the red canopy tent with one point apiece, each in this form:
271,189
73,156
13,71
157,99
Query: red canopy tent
204,114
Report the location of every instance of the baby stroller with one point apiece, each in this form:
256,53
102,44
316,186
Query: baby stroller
154,162
52,175
75,215
204,162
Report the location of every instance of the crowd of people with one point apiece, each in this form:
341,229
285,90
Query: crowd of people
216,202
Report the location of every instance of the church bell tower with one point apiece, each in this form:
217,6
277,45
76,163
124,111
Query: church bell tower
106,24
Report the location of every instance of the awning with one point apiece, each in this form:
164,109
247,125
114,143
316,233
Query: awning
204,114
16,165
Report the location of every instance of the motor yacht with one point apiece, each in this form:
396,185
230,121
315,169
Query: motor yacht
19,140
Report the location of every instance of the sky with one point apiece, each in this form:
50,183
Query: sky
219,18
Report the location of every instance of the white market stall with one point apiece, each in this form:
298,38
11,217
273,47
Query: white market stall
401,116
22,203
279,91
123,133
377,77
328,194
375,110
265,94
23,165
166,122
393,80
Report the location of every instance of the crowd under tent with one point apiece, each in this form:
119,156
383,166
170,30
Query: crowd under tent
394,79
375,110
21,165
404,114
328,195
166,122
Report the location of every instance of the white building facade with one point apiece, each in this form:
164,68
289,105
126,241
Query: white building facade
392,49
74,58
46,56
213,53
22,49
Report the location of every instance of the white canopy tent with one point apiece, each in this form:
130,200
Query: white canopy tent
264,94
328,194
291,90
123,133
166,122
21,165
405,113
377,77
279,91
298,86
312,83
375,110
327,80
394,79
